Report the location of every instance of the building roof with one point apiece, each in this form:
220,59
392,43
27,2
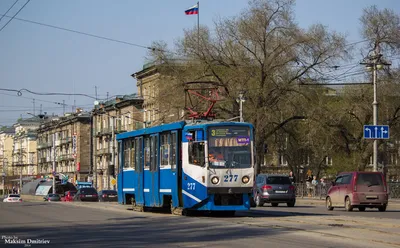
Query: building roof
119,99
8,130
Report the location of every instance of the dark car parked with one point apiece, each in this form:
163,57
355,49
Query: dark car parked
274,189
86,194
108,196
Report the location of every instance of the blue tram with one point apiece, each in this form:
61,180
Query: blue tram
205,166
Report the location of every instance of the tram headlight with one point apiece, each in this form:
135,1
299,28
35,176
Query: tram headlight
215,180
245,179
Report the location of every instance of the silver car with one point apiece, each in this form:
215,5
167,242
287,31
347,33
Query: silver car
274,189
52,197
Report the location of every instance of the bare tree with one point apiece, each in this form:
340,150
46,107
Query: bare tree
261,51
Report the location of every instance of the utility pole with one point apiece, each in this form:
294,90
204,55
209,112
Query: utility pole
54,163
241,99
113,148
21,164
34,107
374,63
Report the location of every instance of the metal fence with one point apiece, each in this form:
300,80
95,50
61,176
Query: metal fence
319,191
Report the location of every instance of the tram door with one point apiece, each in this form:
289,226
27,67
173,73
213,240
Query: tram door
139,171
175,161
154,170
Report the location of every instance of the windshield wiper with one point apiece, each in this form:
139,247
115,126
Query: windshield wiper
373,184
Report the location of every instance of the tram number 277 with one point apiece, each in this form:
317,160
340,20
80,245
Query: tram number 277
230,178
191,186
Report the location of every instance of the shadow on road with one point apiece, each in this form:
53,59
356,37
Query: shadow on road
151,232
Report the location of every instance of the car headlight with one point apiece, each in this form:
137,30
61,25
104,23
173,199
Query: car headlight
245,179
215,180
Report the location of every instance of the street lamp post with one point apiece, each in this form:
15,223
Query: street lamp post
375,63
241,99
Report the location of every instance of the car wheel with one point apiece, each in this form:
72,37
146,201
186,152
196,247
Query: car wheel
348,205
259,202
329,204
291,204
382,208
274,204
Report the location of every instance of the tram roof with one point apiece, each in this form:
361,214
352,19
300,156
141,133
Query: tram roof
177,126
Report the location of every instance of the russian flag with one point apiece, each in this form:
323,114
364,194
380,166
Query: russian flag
192,10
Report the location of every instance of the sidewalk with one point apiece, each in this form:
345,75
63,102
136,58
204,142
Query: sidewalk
318,201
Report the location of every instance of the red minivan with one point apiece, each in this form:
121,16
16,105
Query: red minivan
358,189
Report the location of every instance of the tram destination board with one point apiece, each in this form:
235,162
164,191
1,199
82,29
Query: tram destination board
229,131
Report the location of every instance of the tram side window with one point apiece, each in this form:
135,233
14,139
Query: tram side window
147,149
132,155
196,153
172,157
138,154
164,149
154,150
127,151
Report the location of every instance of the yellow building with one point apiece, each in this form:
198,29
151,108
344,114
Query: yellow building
24,161
6,148
121,114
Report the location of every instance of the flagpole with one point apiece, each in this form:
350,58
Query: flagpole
198,26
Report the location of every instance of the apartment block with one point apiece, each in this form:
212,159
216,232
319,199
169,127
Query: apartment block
121,114
24,161
64,147
155,112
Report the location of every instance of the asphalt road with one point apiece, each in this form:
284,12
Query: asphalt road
110,225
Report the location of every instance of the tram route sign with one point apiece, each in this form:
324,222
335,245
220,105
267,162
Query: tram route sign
376,132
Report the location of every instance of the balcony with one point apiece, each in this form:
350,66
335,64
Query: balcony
66,140
120,130
18,163
105,131
103,151
65,157
43,145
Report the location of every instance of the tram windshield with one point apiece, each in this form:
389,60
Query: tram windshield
229,147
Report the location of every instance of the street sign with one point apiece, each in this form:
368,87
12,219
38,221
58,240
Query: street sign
113,181
376,132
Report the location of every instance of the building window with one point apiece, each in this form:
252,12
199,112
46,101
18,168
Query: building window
328,160
283,161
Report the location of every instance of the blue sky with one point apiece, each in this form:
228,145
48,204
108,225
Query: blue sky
44,59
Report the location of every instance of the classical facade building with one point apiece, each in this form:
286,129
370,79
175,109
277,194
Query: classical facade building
6,148
124,113
64,147
148,83
24,161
